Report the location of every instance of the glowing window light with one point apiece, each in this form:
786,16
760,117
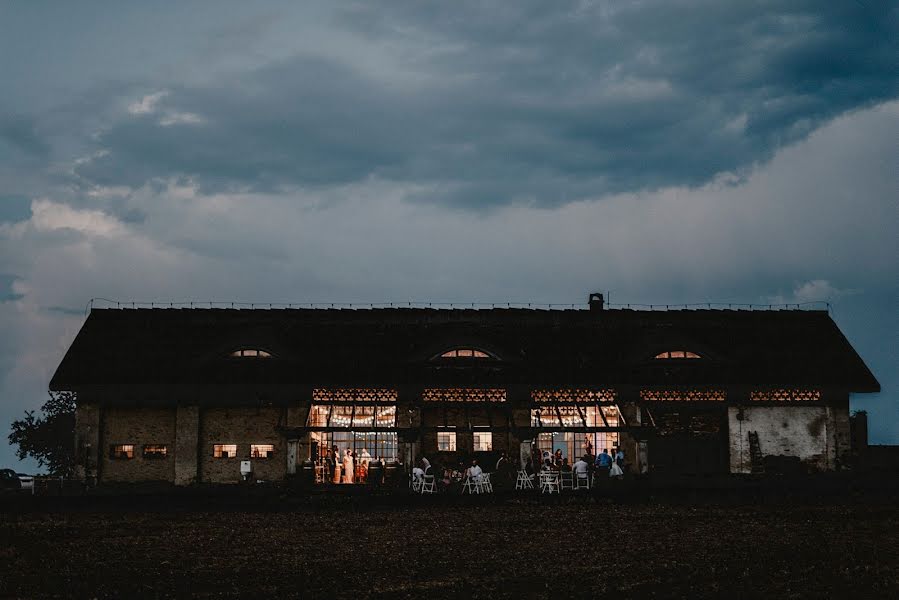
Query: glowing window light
224,450
677,354
155,451
250,353
570,417
446,441
121,451
465,353
261,450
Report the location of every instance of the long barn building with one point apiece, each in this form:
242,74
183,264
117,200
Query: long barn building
187,395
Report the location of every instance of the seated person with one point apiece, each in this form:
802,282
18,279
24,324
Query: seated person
475,471
581,467
565,466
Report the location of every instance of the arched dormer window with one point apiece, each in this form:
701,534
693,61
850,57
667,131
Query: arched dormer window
250,353
677,354
464,353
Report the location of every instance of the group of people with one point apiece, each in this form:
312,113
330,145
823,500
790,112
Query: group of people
452,477
347,467
604,464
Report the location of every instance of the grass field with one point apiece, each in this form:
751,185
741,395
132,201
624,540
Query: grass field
487,549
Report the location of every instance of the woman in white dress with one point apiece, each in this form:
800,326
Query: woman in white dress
348,471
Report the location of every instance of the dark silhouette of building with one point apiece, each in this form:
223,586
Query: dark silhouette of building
186,395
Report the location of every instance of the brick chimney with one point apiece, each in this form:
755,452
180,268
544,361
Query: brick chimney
597,302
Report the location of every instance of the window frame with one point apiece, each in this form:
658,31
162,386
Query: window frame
220,448
452,440
155,454
471,353
269,453
260,353
670,355
476,436
127,452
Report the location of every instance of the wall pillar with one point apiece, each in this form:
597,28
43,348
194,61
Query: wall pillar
187,438
87,442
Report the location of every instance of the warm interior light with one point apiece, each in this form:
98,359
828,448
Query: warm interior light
677,354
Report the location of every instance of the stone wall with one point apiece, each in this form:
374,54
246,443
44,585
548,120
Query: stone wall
187,426
138,427
241,426
87,441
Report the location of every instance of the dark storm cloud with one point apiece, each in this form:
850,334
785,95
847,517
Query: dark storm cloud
542,105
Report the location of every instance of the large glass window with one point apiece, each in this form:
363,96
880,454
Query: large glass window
365,445
575,444
352,416
570,415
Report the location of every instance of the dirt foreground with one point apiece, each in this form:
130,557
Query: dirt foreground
509,549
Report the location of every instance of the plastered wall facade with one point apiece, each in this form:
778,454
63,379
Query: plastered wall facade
806,432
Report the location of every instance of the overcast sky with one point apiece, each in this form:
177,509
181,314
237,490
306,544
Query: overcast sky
667,152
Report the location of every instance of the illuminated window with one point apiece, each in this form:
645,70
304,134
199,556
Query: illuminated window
465,353
574,416
355,416
251,353
121,451
574,445
224,450
463,395
155,451
446,441
483,441
677,354
261,450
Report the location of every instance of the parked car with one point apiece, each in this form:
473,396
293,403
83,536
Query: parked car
27,481
9,480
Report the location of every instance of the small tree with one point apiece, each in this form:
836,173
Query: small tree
50,437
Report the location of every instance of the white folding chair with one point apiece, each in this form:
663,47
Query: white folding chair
567,480
471,486
486,484
415,483
522,481
428,485
549,482
582,481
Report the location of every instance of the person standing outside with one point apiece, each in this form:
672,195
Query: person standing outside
603,464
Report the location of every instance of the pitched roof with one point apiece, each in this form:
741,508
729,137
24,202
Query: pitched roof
395,346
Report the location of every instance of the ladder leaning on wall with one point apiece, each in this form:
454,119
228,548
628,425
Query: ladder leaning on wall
755,453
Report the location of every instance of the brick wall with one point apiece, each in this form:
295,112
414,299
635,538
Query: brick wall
241,426
137,426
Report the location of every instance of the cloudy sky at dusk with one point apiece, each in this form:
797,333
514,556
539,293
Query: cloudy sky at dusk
666,152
